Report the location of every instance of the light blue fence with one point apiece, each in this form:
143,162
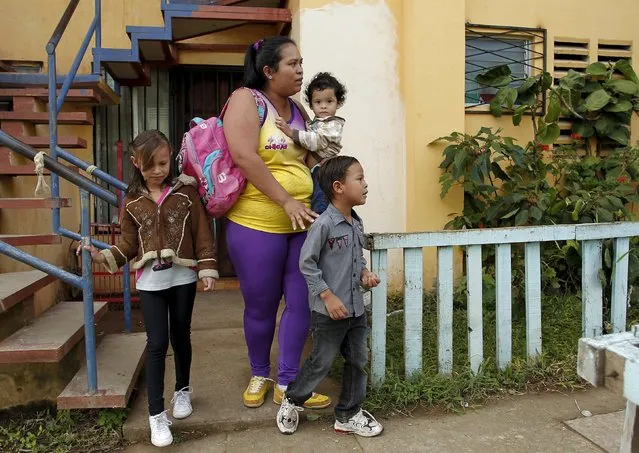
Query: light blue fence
412,244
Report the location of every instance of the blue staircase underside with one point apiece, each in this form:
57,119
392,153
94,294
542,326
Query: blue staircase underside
153,45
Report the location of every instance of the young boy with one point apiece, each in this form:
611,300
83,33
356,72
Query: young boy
333,264
323,137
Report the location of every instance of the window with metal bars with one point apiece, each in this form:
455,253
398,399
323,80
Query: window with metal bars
489,46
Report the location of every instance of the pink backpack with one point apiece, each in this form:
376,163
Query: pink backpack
205,156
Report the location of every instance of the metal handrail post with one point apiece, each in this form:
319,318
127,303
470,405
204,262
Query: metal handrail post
68,79
87,294
53,132
126,285
98,36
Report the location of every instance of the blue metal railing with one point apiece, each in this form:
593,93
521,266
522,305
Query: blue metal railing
87,187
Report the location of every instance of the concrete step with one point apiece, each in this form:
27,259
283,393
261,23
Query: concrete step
19,240
17,286
34,203
43,117
50,336
119,360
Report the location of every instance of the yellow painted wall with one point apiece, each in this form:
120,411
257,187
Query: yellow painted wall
29,26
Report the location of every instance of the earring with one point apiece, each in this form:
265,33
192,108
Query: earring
270,77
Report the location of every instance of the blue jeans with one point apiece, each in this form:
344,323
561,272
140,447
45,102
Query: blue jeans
348,336
319,201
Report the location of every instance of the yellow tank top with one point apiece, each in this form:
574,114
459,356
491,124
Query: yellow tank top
285,161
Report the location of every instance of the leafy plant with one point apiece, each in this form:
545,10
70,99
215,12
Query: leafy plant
509,184
600,101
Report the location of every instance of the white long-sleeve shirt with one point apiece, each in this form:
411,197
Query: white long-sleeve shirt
323,136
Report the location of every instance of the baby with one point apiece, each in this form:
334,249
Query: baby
325,94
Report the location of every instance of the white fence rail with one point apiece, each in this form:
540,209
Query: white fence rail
591,236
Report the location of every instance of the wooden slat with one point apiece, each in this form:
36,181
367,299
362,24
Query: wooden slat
42,141
43,117
474,309
413,305
445,309
503,305
379,264
83,95
592,292
215,47
619,297
606,230
19,240
34,203
243,13
508,235
533,299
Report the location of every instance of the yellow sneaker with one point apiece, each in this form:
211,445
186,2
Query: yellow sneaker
316,401
255,393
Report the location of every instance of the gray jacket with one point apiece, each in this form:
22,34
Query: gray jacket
332,258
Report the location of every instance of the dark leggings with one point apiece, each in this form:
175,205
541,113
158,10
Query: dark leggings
158,307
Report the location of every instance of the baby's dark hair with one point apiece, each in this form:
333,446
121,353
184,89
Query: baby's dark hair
334,169
322,81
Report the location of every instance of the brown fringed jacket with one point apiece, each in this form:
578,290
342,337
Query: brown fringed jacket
177,230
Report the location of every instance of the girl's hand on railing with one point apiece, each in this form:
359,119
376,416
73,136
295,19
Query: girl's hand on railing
96,256
209,283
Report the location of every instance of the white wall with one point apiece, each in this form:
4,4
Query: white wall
358,44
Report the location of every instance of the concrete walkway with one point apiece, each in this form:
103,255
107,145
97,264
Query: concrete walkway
220,423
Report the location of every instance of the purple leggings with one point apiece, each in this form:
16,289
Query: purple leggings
267,266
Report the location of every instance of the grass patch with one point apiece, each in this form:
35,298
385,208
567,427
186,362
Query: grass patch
555,368
48,431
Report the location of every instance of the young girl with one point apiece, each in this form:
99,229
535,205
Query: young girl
164,227
325,94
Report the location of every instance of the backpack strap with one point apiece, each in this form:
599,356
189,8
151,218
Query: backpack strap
302,110
259,102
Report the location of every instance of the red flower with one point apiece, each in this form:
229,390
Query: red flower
481,225
544,147
575,136
622,179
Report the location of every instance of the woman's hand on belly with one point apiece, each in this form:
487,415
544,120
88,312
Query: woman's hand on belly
299,213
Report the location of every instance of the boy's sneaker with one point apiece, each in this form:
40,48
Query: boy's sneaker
160,432
362,424
255,393
316,401
288,417
182,403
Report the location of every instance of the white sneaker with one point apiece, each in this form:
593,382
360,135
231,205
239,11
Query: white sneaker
160,432
362,424
182,403
288,417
